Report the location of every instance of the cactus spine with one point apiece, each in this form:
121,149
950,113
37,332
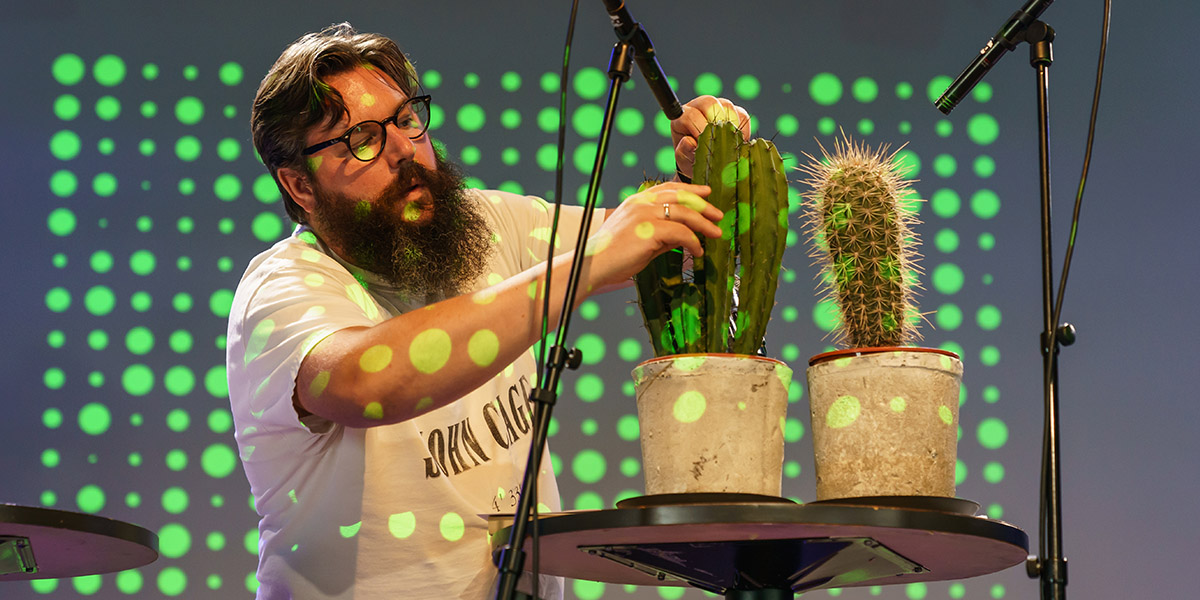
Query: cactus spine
699,315
860,232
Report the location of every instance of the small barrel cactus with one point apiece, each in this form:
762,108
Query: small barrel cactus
724,303
859,225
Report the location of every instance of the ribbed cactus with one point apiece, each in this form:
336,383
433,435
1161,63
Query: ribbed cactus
699,314
859,228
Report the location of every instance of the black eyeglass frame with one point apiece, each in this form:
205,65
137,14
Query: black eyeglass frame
345,137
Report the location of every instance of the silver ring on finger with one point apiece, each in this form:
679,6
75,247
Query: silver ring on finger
666,211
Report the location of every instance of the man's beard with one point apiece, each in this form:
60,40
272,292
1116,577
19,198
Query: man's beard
438,258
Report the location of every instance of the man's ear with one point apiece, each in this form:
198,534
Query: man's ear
299,187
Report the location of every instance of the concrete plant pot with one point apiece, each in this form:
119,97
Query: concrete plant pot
712,423
884,421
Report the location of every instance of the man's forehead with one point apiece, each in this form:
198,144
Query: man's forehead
367,93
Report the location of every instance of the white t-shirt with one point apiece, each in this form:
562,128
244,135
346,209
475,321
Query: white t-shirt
390,511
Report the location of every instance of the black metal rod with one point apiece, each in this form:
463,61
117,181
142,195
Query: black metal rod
1051,565
512,556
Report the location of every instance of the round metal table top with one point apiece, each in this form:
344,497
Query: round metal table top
948,545
70,544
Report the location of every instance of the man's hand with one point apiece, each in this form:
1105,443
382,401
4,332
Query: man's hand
696,114
648,223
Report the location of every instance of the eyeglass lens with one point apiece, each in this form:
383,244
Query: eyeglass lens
366,139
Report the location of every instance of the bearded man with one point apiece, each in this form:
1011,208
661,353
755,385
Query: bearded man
378,358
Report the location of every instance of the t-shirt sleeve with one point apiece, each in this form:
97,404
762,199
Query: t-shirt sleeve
284,306
527,220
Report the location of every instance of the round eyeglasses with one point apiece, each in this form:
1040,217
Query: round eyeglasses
367,139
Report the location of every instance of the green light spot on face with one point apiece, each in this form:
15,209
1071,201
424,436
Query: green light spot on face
402,525
90,499
825,89
375,359
589,387
430,350
452,527
948,278
946,415
689,407
897,404
843,412
589,466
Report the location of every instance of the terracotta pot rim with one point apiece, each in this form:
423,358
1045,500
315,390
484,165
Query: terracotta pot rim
713,355
835,354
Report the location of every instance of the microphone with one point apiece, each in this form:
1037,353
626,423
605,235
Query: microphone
1006,39
629,30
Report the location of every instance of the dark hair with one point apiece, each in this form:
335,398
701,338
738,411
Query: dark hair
294,97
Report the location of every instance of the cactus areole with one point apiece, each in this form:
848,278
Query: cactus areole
859,229
723,304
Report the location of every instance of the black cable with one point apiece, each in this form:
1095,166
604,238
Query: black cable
545,328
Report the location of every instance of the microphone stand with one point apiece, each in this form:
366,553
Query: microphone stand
512,555
1050,566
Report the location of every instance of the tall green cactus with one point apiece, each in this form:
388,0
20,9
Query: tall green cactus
860,230
699,314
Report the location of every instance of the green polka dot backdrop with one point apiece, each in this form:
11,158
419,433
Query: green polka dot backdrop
142,200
